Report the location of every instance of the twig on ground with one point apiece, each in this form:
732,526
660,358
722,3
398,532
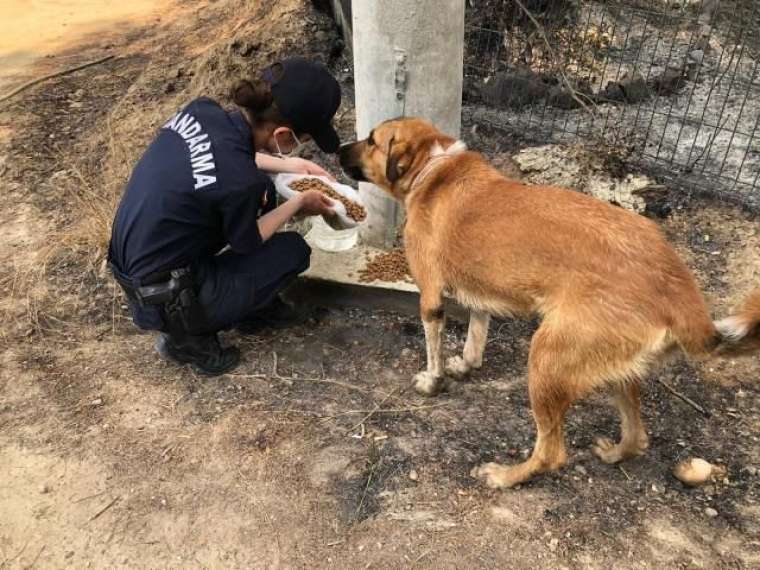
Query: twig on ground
35,558
349,412
113,529
366,489
394,410
104,509
369,415
87,497
33,82
421,556
686,399
19,553
317,380
238,26
624,472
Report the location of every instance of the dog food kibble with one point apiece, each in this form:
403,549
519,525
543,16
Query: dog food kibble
354,210
389,266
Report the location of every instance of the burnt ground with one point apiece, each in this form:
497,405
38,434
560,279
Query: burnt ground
315,452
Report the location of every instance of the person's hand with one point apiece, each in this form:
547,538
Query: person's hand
303,166
314,203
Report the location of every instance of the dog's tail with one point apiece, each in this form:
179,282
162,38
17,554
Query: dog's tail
739,333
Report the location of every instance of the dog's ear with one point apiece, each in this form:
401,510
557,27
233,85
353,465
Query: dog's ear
397,161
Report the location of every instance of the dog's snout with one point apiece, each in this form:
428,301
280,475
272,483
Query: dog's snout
344,152
350,161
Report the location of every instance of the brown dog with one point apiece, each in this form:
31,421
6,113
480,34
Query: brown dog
613,296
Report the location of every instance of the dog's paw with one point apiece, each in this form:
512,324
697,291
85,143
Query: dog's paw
611,453
606,450
457,367
497,476
428,384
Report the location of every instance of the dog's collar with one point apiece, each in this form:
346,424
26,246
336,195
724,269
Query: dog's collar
437,155
427,169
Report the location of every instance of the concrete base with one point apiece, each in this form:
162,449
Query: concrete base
343,267
333,281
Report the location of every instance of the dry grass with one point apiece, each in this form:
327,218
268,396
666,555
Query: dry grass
97,194
34,299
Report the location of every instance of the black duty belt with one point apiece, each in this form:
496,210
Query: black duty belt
174,291
158,288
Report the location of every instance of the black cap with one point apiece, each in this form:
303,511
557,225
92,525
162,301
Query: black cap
308,96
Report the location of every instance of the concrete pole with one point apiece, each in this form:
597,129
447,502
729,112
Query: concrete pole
408,61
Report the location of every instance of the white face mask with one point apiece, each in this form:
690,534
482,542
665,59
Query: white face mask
297,146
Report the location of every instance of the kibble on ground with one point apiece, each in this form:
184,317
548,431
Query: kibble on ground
389,266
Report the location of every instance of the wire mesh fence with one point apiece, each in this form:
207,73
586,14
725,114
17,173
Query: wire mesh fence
669,85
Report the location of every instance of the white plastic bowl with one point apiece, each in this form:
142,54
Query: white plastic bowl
335,233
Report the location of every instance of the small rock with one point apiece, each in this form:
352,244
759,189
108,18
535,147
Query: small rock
413,475
45,488
97,402
710,512
630,89
581,469
635,88
553,544
752,471
696,471
562,98
406,352
514,89
697,55
668,82
68,554
79,93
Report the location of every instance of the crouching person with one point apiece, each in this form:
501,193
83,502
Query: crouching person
199,187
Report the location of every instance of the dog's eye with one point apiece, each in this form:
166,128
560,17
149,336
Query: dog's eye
371,138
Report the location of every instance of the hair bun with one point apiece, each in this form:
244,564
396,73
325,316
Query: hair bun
255,96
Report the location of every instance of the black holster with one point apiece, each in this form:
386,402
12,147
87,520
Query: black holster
183,313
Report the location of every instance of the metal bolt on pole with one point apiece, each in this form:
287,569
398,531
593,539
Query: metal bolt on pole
408,61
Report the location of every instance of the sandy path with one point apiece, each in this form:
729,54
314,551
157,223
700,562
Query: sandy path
35,30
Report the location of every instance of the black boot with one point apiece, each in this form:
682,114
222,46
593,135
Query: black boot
277,315
203,353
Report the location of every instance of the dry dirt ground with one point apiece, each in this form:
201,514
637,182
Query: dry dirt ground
314,453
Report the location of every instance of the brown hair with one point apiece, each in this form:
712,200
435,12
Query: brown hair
256,99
